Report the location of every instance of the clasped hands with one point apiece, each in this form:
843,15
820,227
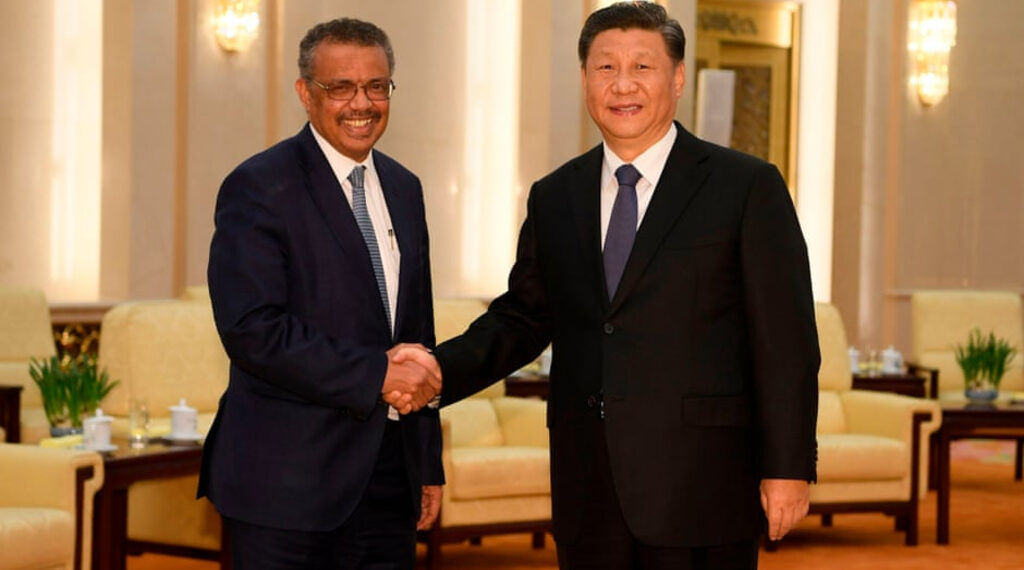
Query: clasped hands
413,378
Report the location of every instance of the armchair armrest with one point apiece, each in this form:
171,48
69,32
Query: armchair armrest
889,415
45,477
10,413
933,377
911,420
61,479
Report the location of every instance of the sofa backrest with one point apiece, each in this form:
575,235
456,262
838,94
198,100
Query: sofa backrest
163,351
834,376
25,332
940,320
474,423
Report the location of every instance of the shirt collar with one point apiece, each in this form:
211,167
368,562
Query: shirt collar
650,162
340,164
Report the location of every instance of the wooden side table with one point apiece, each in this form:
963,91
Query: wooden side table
904,383
527,386
124,467
10,412
966,421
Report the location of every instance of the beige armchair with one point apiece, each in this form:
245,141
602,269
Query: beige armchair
46,506
940,320
25,333
163,351
870,444
495,456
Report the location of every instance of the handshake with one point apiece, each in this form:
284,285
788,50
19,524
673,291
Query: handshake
413,379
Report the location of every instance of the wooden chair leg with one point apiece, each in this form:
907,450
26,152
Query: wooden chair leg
538,541
434,547
911,523
901,522
1019,464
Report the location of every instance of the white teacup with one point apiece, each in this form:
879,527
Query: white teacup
184,420
96,431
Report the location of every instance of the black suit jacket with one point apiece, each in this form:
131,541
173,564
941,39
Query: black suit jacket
298,310
706,358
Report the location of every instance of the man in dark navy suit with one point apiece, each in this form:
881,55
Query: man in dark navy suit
324,454
671,277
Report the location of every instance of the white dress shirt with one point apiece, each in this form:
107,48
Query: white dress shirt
650,164
376,206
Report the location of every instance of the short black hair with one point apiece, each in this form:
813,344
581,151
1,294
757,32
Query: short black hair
342,31
636,14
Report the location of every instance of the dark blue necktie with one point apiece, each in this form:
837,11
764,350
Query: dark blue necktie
369,236
618,241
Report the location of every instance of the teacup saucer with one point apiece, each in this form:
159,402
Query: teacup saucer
184,437
100,448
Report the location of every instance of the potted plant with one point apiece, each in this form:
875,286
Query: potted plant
983,360
72,388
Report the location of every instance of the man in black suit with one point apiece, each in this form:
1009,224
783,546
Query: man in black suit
671,277
318,266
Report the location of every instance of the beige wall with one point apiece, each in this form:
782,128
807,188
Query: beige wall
178,113
26,127
926,197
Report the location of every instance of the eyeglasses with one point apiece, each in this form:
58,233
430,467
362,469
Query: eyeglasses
376,90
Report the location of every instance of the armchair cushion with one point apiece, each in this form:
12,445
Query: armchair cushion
502,471
38,505
164,351
36,537
940,320
25,333
492,466
861,457
865,439
830,413
480,414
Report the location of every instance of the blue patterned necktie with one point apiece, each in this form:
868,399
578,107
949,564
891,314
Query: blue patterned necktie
369,236
618,241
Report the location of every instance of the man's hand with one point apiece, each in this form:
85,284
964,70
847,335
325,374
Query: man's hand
408,384
430,505
417,353
785,502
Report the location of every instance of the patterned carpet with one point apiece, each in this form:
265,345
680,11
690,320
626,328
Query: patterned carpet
985,451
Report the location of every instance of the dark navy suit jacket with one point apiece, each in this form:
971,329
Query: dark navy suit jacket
706,358
298,310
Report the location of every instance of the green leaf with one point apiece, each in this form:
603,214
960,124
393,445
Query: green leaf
984,359
71,388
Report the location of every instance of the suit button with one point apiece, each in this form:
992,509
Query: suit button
609,328
591,401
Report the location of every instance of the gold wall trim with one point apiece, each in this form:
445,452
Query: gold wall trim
759,23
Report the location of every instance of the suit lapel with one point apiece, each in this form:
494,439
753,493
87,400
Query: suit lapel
685,170
585,204
326,192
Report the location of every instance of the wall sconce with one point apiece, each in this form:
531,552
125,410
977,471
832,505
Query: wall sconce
236,23
931,34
